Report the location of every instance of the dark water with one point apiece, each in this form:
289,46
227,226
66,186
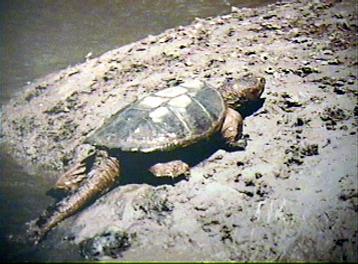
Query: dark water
41,36
38,37
22,198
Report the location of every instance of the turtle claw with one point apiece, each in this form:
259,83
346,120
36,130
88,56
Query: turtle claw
240,144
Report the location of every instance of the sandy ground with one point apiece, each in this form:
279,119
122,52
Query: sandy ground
290,195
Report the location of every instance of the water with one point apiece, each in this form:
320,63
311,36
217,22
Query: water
39,37
22,198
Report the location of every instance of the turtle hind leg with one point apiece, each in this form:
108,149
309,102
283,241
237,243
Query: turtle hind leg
231,129
100,179
172,169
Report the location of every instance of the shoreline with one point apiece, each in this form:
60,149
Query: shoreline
290,195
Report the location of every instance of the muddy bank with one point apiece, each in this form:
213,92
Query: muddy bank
291,195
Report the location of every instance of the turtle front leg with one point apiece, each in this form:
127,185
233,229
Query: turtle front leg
231,129
100,179
172,169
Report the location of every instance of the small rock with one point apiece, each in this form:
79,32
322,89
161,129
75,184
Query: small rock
271,26
299,122
328,52
350,81
334,62
338,91
109,244
268,16
339,83
235,9
306,70
270,70
310,150
240,163
249,179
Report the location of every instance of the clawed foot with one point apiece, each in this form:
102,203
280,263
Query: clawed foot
34,234
172,169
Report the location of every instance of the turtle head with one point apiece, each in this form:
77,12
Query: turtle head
246,88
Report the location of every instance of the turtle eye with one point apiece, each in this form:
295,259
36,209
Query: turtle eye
262,82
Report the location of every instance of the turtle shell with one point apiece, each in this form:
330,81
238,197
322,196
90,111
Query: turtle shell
173,117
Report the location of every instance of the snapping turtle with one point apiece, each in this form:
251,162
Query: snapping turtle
162,121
